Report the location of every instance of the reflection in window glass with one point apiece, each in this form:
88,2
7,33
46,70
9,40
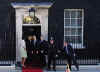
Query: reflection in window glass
73,32
73,14
73,39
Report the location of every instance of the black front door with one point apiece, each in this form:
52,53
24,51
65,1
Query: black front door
31,30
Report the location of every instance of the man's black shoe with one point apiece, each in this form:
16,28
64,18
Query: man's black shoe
78,69
54,69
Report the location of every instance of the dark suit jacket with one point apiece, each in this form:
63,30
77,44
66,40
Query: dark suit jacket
52,50
70,50
43,45
29,45
36,46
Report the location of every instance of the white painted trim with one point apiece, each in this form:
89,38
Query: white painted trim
71,35
36,5
73,9
31,25
72,26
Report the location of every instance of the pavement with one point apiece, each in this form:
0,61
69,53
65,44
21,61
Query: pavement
83,68
59,68
9,69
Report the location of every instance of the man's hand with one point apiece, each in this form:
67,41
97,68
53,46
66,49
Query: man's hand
32,52
74,54
56,55
42,51
37,52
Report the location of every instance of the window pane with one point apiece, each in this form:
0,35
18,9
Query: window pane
76,22
67,14
73,39
79,21
67,31
73,14
73,22
79,32
79,14
73,31
67,22
68,39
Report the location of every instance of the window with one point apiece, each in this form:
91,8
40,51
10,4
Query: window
73,27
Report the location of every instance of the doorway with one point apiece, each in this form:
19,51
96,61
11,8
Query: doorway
31,30
25,29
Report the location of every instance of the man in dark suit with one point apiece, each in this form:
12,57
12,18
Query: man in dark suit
70,55
36,56
29,48
32,49
52,54
35,49
43,45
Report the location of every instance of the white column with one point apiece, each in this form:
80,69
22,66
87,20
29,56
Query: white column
44,22
18,32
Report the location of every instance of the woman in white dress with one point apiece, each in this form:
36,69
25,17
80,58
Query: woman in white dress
23,52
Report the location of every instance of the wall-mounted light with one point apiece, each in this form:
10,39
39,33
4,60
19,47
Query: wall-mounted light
32,18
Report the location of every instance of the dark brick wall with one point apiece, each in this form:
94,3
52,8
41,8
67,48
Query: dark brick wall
7,31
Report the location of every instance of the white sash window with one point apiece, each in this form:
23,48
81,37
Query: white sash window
73,27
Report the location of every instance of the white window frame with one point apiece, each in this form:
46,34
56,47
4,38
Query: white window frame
77,45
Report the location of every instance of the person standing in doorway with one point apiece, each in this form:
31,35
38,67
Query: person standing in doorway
29,48
70,55
35,49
